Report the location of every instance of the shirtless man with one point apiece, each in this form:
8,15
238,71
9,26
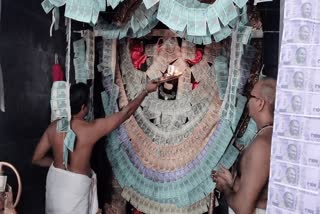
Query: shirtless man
246,191
87,134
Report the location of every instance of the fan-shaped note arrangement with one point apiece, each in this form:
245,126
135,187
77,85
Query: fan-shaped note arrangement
163,155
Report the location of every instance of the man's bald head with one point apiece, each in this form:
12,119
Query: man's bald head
266,88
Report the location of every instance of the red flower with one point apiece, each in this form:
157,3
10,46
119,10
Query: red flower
195,85
197,58
137,56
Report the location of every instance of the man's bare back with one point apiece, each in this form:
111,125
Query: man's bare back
79,161
87,133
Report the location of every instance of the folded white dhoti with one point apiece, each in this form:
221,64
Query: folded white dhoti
69,192
257,211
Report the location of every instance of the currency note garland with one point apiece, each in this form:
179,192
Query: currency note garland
164,165
201,23
295,161
81,10
141,23
196,22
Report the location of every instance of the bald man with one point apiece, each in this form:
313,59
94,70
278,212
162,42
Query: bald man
246,190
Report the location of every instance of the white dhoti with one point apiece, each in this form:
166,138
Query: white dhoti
257,211
69,192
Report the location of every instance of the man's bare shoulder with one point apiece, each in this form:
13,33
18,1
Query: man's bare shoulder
53,133
80,125
84,130
52,126
260,147
262,141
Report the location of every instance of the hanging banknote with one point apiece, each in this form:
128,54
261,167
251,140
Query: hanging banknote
60,104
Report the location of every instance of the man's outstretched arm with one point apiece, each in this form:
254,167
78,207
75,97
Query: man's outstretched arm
103,126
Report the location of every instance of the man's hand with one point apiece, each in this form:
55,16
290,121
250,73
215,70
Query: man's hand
223,179
152,86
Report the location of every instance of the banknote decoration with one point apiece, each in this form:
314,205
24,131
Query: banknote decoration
300,55
293,102
168,146
298,31
162,155
200,23
302,9
295,164
60,103
295,151
89,53
84,10
197,22
47,6
301,177
291,200
80,63
143,20
299,79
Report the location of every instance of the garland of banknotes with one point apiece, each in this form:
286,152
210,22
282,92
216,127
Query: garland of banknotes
199,22
168,169
79,61
141,23
196,22
240,37
295,161
176,15
60,109
81,10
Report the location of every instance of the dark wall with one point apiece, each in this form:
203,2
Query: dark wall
26,56
270,14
